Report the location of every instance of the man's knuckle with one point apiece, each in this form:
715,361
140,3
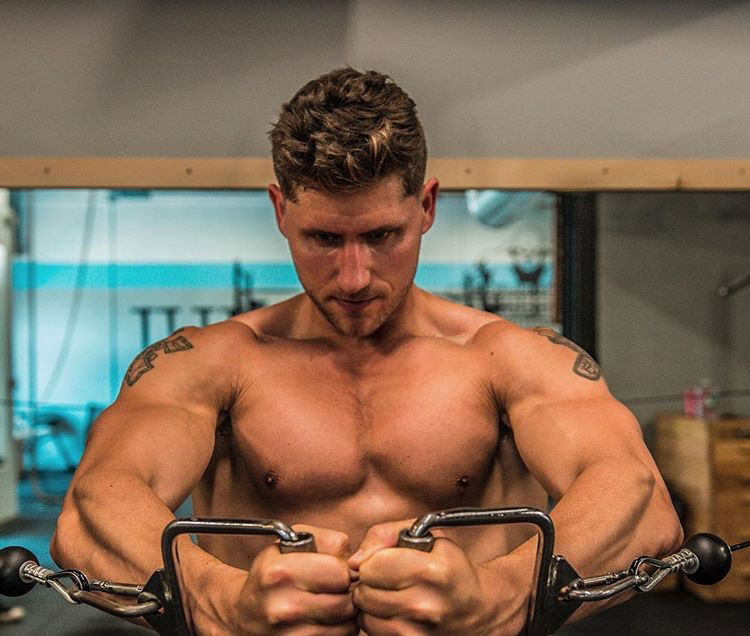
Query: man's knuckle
281,611
339,540
273,575
426,610
437,572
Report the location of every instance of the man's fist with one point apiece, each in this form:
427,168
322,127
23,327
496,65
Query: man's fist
405,591
300,593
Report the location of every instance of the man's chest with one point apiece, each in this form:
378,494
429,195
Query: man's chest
422,422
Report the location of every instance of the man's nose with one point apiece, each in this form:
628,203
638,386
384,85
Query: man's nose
354,268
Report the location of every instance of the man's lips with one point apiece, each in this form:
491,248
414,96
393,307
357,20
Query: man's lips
354,304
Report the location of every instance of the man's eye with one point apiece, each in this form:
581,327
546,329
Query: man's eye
323,237
379,235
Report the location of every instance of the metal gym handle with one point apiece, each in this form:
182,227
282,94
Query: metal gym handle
166,584
545,613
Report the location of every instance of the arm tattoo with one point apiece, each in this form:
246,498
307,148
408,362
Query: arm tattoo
143,362
585,365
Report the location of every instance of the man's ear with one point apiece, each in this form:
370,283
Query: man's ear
277,200
429,202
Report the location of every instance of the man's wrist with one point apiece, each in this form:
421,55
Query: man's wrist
507,584
209,589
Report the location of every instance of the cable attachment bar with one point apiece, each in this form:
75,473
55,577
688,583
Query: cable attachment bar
31,572
598,588
682,561
82,590
111,587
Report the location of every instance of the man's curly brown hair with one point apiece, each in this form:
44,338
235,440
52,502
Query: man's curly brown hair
346,130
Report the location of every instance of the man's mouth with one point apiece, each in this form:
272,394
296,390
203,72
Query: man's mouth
354,305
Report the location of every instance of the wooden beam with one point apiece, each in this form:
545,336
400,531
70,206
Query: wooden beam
117,172
557,175
562,175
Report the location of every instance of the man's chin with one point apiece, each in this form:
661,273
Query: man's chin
352,325
355,328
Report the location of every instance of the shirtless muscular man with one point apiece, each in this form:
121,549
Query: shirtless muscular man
354,407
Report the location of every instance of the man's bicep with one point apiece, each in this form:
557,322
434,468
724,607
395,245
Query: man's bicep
166,445
162,426
559,438
560,409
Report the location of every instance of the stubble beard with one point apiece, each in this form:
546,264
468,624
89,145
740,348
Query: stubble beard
358,328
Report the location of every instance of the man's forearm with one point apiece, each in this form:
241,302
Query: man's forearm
112,536
613,512
111,523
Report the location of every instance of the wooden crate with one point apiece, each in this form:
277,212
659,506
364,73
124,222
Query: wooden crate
707,463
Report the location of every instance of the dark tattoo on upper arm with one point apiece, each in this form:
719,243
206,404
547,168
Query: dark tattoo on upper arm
143,362
585,365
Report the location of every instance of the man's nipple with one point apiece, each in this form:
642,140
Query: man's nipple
463,481
271,479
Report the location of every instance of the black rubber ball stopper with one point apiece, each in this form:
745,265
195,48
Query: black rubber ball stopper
11,559
714,557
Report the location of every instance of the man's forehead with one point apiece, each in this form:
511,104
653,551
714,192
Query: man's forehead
382,203
355,223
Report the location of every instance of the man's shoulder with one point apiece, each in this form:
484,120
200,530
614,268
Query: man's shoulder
190,362
489,331
214,341
529,361
505,332
506,337
455,321
272,321
224,333
517,343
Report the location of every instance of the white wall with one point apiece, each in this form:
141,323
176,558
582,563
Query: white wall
662,325
514,78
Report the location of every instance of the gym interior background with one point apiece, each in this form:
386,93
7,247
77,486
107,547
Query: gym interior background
87,272
98,275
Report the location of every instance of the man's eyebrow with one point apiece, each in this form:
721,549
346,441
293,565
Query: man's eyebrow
387,227
312,231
